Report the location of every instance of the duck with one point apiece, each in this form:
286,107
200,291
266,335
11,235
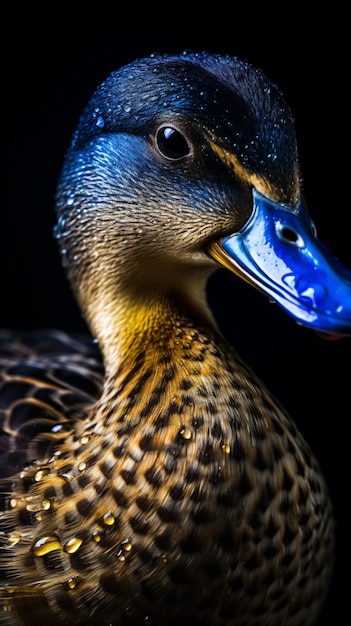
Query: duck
148,476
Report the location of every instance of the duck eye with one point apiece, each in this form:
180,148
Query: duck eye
171,143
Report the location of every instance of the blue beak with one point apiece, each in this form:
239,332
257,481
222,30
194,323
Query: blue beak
277,251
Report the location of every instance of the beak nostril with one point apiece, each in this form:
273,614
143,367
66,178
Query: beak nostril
289,235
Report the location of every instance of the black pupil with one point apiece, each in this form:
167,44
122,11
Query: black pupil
172,143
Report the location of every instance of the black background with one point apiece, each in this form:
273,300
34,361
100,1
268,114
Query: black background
54,57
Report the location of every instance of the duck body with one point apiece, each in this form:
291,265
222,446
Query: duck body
161,482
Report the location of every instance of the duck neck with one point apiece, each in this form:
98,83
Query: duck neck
163,373
126,324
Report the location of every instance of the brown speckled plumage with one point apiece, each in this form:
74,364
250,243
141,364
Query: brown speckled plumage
167,487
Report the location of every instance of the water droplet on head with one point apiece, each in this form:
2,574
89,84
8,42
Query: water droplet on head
60,225
60,229
100,122
63,253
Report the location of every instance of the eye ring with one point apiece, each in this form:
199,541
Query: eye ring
172,143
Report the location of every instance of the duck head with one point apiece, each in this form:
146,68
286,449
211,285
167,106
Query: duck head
180,163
